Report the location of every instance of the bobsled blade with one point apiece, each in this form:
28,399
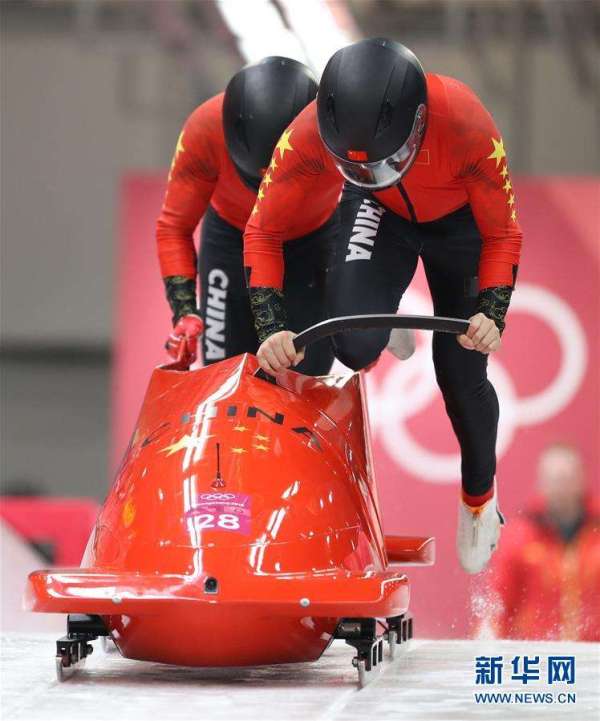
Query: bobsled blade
367,676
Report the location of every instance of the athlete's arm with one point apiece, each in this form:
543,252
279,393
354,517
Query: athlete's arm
191,182
300,190
280,198
484,170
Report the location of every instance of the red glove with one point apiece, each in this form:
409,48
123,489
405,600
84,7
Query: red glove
183,341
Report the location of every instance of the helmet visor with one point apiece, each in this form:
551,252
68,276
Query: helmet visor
387,172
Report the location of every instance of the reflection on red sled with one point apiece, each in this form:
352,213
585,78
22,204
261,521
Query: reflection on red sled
243,527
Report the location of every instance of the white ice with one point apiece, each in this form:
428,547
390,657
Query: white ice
433,680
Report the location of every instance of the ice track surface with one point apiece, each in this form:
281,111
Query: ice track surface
432,680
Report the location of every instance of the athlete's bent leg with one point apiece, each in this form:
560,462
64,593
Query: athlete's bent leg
224,302
306,261
450,255
472,406
451,249
373,262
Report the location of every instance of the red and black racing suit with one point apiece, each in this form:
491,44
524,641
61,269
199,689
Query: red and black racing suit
203,182
455,209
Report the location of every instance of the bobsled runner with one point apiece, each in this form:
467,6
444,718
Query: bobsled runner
243,526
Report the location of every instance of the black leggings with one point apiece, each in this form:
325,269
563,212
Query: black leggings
224,301
373,263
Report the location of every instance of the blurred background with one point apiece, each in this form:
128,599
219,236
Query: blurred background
93,96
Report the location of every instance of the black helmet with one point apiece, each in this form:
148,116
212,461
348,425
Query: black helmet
261,100
372,109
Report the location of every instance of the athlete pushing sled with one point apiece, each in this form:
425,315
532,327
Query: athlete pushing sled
426,177
222,153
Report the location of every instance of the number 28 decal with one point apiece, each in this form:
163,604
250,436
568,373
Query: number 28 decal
228,521
221,512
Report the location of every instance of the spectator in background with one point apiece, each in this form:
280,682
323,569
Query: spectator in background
546,575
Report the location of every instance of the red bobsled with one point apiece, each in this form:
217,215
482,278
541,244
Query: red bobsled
243,526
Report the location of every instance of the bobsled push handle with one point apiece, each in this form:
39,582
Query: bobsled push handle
410,550
333,326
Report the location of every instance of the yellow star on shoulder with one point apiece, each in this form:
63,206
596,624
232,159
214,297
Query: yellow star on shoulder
284,142
511,200
267,180
261,193
254,210
499,152
513,216
261,438
273,163
507,186
240,428
504,172
260,447
179,148
239,451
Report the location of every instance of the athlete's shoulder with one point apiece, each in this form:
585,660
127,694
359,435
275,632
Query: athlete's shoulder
306,120
437,95
303,136
305,130
207,117
201,142
454,89
464,107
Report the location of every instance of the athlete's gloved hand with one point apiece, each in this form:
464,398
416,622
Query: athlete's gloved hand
183,341
278,353
482,335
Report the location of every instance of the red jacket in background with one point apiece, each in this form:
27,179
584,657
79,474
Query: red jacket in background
544,587
462,160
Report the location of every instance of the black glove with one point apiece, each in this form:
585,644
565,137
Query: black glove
269,311
181,294
493,303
